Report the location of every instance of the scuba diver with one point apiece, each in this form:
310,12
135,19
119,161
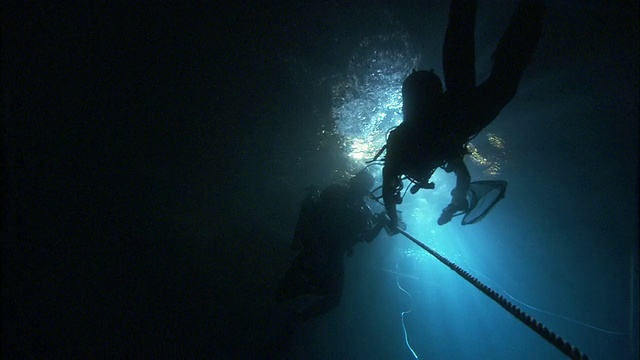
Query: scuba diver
437,125
330,223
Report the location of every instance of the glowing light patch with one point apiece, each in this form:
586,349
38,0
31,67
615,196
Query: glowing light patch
360,149
493,170
476,156
491,157
368,102
496,141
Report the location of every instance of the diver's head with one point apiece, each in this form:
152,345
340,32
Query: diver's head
419,92
361,183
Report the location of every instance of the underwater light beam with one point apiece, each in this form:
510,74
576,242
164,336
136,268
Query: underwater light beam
368,101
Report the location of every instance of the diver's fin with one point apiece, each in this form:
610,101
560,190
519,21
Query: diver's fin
482,197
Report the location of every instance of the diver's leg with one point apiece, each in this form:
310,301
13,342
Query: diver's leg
332,285
463,179
513,54
458,53
390,184
459,193
286,288
516,47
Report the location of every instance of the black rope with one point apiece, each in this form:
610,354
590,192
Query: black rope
564,346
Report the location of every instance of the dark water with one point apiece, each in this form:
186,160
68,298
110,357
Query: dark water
154,159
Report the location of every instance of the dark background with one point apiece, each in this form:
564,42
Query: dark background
154,156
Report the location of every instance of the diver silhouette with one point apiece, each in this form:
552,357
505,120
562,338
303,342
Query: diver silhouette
330,223
437,125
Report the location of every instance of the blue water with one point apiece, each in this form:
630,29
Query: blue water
564,278
154,159
562,245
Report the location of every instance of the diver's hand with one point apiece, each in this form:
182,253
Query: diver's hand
401,225
393,228
381,218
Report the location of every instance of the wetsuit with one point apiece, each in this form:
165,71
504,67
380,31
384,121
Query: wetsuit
339,220
437,136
